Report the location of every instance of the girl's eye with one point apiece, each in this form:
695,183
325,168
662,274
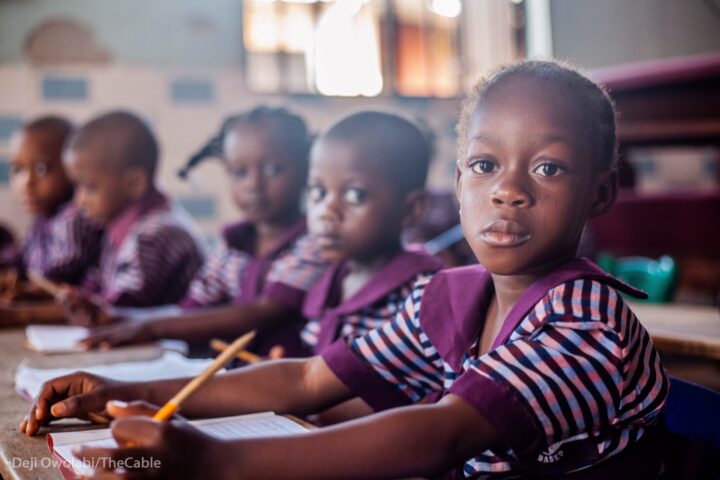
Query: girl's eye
548,170
271,170
41,169
239,172
316,193
483,167
355,196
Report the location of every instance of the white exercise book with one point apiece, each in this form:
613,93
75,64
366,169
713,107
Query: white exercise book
28,380
258,425
66,339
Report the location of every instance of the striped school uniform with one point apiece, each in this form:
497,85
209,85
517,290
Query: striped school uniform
571,380
61,247
150,254
234,274
376,303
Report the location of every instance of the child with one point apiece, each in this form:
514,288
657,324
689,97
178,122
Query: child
543,368
61,243
260,274
151,249
366,184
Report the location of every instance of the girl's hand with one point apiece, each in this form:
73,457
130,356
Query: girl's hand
82,309
121,333
172,449
80,395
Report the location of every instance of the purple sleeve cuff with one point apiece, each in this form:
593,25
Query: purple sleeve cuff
502,407
284,294
361,378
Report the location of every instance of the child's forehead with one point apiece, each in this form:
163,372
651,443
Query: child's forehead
36,142
347,154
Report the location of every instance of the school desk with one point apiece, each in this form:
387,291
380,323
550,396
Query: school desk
23,457
689,330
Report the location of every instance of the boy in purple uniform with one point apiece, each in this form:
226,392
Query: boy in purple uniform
542,367
258,276
366,184
152,248
61,244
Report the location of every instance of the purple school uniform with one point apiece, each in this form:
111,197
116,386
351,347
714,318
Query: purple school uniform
150,254
373,305
233,273
61,247
571,379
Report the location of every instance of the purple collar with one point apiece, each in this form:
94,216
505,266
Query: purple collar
242,236
398,271
461,297
120,226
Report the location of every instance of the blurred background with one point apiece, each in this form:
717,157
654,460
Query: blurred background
185,65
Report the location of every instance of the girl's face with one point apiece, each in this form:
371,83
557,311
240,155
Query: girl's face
353,211
38,178
266,182
527,182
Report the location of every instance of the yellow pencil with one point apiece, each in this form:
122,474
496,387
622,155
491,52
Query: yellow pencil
248,357
173,405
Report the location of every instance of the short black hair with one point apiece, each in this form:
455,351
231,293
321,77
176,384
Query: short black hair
389,141
124,136
59,128
590,99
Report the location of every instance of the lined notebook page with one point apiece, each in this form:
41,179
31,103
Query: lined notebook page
258,425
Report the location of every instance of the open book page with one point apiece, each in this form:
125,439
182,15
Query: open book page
257,425
28,380
66,338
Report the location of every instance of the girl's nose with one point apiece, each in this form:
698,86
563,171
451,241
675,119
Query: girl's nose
330,208
511,192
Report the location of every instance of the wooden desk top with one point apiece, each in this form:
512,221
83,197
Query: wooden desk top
692,330
22,457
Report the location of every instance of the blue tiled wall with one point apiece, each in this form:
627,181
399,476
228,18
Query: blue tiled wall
192,91
64,88
8,124
200,207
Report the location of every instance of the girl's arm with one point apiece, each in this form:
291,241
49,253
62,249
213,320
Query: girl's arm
285,386
422,440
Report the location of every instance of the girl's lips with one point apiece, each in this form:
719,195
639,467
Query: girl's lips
328,240
504,233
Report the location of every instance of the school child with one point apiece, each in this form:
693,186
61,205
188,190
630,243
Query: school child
152,248
258,276
543,368
61,243
366,184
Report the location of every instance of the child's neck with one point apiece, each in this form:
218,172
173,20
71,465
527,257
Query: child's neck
360,271
268,233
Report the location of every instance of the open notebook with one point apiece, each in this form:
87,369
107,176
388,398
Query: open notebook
256,425
65,338
28,380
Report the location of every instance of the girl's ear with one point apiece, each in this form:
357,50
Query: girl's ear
606,192
137,182
415,204
458,186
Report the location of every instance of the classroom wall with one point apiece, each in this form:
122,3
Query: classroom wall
594,33
173,61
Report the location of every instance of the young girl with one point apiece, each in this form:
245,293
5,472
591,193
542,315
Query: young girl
61,243
259,274
543,368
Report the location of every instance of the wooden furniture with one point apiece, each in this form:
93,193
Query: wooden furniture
690,330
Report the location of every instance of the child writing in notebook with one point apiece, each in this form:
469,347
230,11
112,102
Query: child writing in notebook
152,248
61,244
543,368
258,276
